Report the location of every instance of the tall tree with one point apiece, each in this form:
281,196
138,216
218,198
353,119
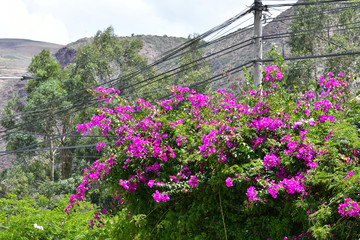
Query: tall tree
109,58
39,113
194,68
324,29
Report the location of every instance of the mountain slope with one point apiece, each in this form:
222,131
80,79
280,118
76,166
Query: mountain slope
16,54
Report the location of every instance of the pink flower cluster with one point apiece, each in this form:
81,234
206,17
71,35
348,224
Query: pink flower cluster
251,193
193,181
350,174
271,160
272,73
102,93
349,208
228,182
158,197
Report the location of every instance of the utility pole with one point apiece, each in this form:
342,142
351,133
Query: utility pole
258,8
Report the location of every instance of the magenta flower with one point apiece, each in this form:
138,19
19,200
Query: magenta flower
158,197
271,160
349,207
99,145
151,183
272,73
251,193
193,182
228,182
273,190
350,174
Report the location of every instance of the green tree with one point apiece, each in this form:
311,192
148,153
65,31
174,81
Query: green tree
194,68
39,113
108,58
324,29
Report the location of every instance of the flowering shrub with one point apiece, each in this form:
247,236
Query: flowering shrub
260,162
349,207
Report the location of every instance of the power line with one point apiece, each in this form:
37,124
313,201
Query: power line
272,36
313,14
189,64
66,108
170,53
315,56
2,153
326,40
154,77
53,135
305,3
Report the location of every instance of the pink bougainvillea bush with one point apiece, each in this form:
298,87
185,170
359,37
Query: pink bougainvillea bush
268,165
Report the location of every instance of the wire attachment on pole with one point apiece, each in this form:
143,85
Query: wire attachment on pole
258,8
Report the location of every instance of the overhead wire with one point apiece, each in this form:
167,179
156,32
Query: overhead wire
75,93
238,68
313,14
3,153
171,52
305,3
314,56
272,36
133,85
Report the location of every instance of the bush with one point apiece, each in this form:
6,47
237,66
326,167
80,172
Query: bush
30,218
207,166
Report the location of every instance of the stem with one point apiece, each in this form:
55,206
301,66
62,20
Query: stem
347,237
222,214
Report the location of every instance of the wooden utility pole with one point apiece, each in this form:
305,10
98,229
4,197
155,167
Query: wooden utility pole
52,162
258,8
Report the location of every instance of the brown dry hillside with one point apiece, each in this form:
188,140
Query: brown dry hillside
15,57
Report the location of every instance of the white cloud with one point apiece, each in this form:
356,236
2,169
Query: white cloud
17,22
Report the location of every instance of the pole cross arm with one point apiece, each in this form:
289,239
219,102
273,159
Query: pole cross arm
28,78
258,7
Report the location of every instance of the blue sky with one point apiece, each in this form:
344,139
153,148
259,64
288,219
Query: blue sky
65,21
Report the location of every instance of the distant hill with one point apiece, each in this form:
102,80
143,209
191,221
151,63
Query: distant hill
16,54
15,57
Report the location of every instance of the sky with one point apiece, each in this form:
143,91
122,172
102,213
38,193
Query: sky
65,21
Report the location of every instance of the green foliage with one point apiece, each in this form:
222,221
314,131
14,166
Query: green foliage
43,113
332,31
18,219
15,181
43,67
107,58
12,106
